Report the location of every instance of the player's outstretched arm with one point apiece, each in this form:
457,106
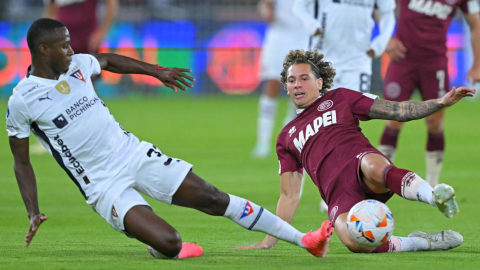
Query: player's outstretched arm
412,110
171,77
27,184
290,185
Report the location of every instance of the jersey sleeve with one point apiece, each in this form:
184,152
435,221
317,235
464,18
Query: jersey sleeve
91,63
470,6
385,5
359,103
18,118
287,161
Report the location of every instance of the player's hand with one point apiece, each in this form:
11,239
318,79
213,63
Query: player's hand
318,32
268,243
35,222
396,50
473,75
371,53
174,78
260,245
455,95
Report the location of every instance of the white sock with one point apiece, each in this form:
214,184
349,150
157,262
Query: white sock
434,166
266,119
412,244
424,193
256,218
388,151
291,113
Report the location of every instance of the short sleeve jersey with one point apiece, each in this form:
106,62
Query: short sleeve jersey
354,20
68,117
325,135
423,25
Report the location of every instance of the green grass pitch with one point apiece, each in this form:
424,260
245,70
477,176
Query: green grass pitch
216,134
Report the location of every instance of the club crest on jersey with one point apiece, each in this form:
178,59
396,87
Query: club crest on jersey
291,131
63,87
114,212
327,104
78,75
247,210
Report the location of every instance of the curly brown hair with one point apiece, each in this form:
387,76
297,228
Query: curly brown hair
321,69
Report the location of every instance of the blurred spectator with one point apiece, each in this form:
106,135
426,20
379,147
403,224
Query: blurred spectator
285,32
80,18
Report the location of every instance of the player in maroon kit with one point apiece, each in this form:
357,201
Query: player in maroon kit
80,18
418,54
326,140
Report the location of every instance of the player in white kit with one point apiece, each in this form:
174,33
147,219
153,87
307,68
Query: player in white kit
342,31
110,166
285,32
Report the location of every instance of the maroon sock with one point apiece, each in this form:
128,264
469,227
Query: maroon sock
392,245
389,137
436,142
397,179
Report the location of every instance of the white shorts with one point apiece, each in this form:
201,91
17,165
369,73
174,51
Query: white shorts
276,47
358,80
150,172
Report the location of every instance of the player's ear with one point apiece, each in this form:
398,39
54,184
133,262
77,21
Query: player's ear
319,83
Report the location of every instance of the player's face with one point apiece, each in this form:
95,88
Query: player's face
302,86
61,52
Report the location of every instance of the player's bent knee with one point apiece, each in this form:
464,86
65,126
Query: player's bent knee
218,203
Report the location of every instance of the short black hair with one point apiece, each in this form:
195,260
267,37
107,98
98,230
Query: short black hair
39,29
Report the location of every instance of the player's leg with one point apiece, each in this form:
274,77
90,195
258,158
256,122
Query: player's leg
435,147
380,176
434,84
271,66
417,241
196,193
400,82
144,225
267,112
131,214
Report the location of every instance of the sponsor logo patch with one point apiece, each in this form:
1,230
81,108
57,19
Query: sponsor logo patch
63,87
327,104
248,210
60,121
44,98
78,75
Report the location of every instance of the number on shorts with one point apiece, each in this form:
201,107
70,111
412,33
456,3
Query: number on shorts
154,150
364,83
441,82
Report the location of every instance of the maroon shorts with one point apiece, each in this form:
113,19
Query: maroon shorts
351,189
403,78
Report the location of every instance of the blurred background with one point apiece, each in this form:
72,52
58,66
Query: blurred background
219,39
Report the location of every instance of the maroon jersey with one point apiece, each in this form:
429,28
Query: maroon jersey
80,18
326,137
423,25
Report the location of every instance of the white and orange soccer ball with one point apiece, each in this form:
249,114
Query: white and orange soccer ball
370,223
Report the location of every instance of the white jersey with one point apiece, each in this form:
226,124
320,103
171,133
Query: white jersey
284,33
68,117
347,27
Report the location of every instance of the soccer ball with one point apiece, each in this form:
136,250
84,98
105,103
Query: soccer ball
370,223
